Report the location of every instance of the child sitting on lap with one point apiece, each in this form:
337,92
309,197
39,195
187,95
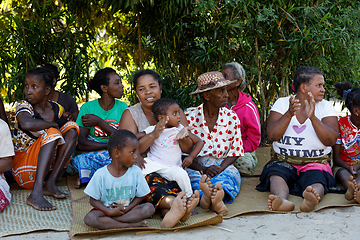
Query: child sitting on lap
164,156
117,189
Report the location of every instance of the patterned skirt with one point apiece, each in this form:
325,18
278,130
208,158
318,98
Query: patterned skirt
160,188
229,179
87,163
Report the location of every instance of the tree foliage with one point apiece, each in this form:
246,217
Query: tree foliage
181,39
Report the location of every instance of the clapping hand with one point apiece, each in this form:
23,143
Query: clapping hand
294,105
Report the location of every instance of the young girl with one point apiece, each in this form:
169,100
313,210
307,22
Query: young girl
40,142
164,156
347,148
117,189
98,119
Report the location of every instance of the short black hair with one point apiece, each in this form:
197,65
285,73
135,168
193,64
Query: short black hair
53,69
118,139
160,107
101,78
352,96
146,72
304,75
45,74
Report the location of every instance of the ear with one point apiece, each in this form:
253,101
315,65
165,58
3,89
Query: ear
206,96
54,83
116,153
238,82
303,88
103,88
356,111
47,90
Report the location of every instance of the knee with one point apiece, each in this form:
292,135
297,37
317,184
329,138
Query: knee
71,135
90,219
148,210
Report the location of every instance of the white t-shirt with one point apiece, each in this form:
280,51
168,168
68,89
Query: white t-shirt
301,139
6,144
121,190
165,149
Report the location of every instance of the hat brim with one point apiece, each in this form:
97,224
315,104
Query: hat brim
218,85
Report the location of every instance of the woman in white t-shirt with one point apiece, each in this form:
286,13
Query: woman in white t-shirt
303,128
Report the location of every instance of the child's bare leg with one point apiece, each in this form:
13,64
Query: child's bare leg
217,204
351,185
99,220
312,195
190,205
36,198
137,214
63,154
207,188
279,193
177,211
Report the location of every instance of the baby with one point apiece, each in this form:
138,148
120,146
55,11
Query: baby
117,189
164,156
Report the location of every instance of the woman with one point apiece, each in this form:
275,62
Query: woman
219,128
41,142
98,119
165,195
248,114
303,128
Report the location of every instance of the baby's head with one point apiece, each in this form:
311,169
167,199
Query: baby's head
165,107
122,147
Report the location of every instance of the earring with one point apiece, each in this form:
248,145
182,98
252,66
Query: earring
107,96
357,114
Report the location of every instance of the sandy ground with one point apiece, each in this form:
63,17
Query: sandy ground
333,223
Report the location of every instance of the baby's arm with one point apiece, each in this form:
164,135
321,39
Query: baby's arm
194,152
339,162
115,212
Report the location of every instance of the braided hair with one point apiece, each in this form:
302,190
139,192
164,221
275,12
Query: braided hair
351,95
304,75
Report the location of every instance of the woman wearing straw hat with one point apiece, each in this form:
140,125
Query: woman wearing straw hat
212,172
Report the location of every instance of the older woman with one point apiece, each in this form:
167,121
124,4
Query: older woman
303,128
248,114
219,128
165,195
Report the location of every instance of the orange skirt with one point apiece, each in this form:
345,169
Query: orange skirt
25,163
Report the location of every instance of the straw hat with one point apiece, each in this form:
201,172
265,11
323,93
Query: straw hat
211,80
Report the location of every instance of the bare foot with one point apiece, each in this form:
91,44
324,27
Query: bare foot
77,183
276,203
191,204
207,188
38,202
311,199
177,211
52,190
351,184
357,194
217,200
142,223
